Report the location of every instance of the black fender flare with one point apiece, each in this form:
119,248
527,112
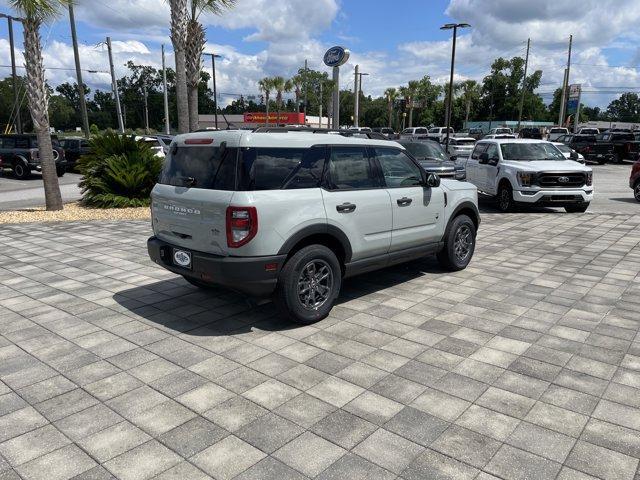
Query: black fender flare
324,229
19,158
465,205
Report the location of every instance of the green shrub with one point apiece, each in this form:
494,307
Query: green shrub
119,172
93,129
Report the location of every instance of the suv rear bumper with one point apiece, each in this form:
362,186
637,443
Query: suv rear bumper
557,198
244,274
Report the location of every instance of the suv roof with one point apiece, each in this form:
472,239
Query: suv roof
293,139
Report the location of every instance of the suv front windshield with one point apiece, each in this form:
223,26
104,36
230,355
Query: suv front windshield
425,150
530,152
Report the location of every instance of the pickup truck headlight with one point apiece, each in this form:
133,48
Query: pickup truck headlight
526,179
589,179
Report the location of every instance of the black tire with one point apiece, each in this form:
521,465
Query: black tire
456,255
198,283
60,171
505,198
21,171
636,191
617,158
577,208
602,161
313,262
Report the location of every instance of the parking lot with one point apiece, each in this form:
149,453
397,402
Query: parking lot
17,194
524,366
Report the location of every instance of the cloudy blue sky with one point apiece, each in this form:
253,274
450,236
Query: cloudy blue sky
393,41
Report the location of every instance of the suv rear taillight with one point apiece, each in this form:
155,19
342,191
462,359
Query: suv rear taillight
242,225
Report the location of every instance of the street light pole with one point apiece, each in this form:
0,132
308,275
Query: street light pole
454,27
114,86
167,126
215,93
358,91
14,76
76,55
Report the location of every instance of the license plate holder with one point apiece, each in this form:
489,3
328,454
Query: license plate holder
182,258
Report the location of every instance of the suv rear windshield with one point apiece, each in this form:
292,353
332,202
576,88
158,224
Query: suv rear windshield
245,169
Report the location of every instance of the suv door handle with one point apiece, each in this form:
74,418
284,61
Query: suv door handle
346,207
404,201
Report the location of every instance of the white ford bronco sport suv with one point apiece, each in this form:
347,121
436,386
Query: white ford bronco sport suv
529,172
290,214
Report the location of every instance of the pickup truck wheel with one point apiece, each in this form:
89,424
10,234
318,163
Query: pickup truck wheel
459,244
617,158
577,208
20,171
60,171
505,198
309,284
636,191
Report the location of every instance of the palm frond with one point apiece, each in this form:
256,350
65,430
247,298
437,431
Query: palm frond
42,10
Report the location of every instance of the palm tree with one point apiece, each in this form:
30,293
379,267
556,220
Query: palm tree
179,21
280,85
297,83
266,86
470,93
413,88
34,13
391,94
196,39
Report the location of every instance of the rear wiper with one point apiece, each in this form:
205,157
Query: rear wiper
187,181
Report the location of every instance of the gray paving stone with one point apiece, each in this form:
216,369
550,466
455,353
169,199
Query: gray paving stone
309,454
373,407
613,437
466,445
142,462
33,444
440,404
113,441
432,464
557,418
541,441
269,432
305,410
488,422
514,463
335,391
192,437
506,402
343,429
399,389
417,426
183,470
602,462
60,464
388,450
270,469
19,422
354,467
235,413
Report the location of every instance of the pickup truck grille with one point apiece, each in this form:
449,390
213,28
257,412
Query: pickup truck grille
562,180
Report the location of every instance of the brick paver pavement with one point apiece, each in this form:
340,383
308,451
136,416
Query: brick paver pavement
526,365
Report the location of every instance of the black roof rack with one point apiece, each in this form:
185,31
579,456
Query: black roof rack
344,133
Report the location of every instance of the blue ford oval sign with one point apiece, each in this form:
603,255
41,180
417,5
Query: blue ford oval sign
336,56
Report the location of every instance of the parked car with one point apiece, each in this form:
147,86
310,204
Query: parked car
432,157
289,215
625,145
634,180
157,146
415,132
530,132
569,153
588,147
461,146
588,131
20,153
519,172
493,136
386,131
500,131
556,132
475,133
360,129
74,148
440,133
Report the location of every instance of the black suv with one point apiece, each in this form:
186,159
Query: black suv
74,148
20,154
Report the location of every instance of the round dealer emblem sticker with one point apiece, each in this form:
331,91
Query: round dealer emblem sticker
181,258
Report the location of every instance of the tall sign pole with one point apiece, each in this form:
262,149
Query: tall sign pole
165,93
524,84
356,97
114,86
565,85
320,107
335,57
76,55
14,76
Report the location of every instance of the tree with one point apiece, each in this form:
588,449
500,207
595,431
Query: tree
196,38
266,87
626,108
34,13
7,109
297,82
470,94
280,85
179,21
390,94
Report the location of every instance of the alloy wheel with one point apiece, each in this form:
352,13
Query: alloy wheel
462,243
315,284
505,199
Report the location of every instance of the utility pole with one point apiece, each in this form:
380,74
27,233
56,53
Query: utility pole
83,101
356,97
14,76
114,86
167,126
215,93
306,87
146,110
565,86
454,27
524,83
320,115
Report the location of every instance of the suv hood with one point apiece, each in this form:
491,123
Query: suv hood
547,165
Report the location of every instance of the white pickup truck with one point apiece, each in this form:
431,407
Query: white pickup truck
520,172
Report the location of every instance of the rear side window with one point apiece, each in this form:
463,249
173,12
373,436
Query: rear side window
351,168
421,131
200,167
268,168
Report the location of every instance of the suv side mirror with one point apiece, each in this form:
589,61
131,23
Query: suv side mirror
483,158
433,180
